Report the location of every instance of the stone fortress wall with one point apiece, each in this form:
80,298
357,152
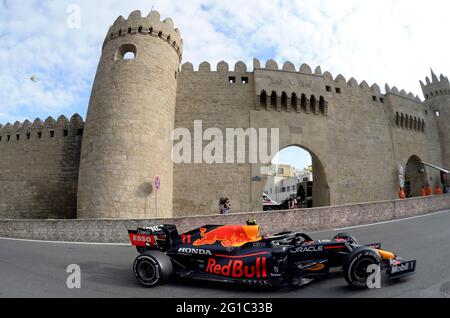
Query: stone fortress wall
357,135
39,168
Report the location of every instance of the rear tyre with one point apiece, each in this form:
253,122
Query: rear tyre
152,268
357,265
345,236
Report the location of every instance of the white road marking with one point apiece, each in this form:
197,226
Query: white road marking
392,221
63,242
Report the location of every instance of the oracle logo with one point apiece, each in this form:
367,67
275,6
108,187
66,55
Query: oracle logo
238,269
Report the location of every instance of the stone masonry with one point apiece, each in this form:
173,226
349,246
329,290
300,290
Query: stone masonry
357,135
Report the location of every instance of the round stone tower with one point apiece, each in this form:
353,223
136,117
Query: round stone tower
437,97
127,138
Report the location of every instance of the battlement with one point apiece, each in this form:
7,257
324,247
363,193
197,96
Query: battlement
340,81
37,130
435,87
222,67
402,93
150,25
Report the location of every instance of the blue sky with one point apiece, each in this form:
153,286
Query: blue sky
295,156
394,42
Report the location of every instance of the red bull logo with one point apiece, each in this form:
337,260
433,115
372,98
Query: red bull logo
238,269
229,235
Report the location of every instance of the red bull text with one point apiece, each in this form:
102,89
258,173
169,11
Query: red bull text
238,269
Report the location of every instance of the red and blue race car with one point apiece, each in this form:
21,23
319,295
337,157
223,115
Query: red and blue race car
239,254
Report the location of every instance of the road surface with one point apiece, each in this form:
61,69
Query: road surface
38,269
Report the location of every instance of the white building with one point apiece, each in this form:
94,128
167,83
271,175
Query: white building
283,181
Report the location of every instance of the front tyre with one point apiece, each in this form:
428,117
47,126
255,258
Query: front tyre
356,268
152,268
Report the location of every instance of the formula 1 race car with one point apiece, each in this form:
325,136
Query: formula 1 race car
238,254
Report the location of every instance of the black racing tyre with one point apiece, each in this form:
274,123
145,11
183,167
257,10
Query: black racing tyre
152,268
345,236
357,263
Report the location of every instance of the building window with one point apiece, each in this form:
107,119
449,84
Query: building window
273,99
39,134
244,80
338,90
17,137
8,138
80,132
232,79
126,52
322,105
66,132
328,88
52,133
263,99
28,136
284,100
381,100
374,98
280,170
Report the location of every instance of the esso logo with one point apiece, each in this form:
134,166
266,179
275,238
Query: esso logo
141,238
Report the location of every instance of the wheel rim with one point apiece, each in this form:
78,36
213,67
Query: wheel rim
147,271
360,271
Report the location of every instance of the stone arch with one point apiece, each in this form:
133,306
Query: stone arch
284,101
294,101
273,100
320,189
415,176
313,102
322,105
126,51
304,103
263,99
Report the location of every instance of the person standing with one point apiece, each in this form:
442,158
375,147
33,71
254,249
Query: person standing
227,206
222,206
294,203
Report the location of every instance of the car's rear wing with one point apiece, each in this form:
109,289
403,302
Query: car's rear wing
158,237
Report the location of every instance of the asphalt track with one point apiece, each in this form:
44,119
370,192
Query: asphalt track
38,269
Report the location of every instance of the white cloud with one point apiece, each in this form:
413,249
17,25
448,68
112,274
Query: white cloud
382,41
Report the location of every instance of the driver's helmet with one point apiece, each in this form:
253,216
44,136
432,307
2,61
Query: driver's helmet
251,222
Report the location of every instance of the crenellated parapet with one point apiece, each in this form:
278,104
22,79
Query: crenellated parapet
436,87
38,129
222,67
151,25
402,93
